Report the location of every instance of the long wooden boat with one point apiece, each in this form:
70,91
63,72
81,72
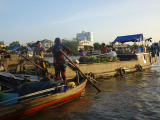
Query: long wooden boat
128,63
12,61
16,64
24,108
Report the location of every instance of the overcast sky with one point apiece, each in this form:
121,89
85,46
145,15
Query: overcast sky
32,20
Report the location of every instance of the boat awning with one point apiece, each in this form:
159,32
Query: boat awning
129,38
14,47
21,48
29,48
25,48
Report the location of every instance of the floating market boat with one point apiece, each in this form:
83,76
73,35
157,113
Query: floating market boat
10,62
17,64
104,67
24,104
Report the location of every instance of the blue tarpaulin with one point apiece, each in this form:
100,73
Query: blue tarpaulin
129,38
14,47
22,48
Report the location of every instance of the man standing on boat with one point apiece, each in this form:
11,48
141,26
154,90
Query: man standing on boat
38,58
104,49
59,60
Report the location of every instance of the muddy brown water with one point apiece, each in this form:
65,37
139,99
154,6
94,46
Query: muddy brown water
133,97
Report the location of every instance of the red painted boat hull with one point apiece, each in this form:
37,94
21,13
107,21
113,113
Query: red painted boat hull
20,114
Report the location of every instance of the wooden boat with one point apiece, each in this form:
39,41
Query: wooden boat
128,62
27,107
17,64
11,62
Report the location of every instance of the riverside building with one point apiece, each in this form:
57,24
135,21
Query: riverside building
86,38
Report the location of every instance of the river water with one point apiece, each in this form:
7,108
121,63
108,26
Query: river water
133,97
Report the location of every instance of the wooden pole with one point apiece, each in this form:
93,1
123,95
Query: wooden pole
31,94
77,76
37,65
80,71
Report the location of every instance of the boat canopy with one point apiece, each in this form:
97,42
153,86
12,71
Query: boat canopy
25,48
30,49
21,48
14,47
129,38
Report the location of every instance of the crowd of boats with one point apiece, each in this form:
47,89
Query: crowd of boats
23,93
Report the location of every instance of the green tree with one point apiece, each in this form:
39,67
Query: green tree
72,44
97,45
1,42
14,44
7,47
86,47
135,46
31,44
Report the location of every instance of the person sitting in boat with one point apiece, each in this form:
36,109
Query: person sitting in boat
104,49
18,53
135,51
38,58
59,60
113,53
91,51
82,52
144,48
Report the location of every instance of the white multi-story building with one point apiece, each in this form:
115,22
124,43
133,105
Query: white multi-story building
86,38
